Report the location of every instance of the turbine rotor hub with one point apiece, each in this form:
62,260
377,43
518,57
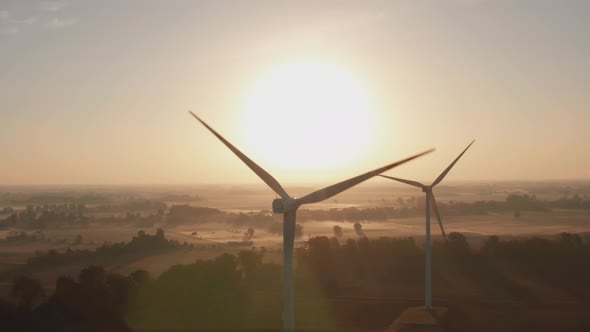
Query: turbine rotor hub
427,189
282,205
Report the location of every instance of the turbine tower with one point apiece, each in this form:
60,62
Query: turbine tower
430,199
287,206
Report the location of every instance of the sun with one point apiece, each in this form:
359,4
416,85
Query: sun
308,115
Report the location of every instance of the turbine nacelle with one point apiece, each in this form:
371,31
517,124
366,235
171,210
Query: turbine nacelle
426,189
284,205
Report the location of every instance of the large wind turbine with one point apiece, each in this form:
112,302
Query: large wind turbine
288,206
430,199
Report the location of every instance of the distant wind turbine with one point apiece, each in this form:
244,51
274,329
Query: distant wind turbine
288,206
430,199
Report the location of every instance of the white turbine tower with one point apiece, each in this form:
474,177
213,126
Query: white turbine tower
288,206
430,199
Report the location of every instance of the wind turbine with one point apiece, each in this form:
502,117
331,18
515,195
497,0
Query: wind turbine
288,206
430,199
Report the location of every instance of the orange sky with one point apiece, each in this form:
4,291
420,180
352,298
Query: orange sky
98,93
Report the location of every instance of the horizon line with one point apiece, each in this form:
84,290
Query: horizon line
286,183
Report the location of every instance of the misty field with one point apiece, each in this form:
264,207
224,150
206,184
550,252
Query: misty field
212,239
49,240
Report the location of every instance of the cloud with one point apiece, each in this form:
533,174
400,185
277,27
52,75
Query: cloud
51,6
57,23
3,14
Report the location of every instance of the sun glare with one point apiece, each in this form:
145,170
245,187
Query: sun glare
308,115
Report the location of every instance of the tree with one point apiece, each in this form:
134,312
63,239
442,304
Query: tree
457,244
206,295
337,231
334,243
249,261
358,228
320,257
65,287
140,276
92,276
570,240
118,291
27,291
249,234
160,233
491,245
298,231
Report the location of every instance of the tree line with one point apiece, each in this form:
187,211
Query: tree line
240,292
140,245
42,217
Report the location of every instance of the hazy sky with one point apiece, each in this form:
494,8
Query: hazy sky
97,92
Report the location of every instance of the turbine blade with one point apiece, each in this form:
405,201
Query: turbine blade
410,182
444,173
435,208
322,194
264,175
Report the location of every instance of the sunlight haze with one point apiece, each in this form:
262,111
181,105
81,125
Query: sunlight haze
98,92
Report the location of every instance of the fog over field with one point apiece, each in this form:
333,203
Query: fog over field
113,214
153,251
48,232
